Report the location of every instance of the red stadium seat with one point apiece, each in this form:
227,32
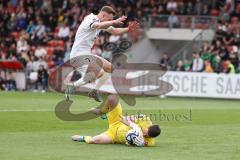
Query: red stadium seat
53,43
50,64
214,13
33,48
201,26
60,43
56,30
234,20
229,48
50,43
8,64
234,27
15,35
50,50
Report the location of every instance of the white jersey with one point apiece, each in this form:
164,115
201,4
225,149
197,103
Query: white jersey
85,36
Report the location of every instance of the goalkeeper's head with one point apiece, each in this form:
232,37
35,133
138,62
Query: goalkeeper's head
153,131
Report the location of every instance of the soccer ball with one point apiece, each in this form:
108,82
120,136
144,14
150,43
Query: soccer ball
131,135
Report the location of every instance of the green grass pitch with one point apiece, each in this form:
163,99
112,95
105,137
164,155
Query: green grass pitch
29,129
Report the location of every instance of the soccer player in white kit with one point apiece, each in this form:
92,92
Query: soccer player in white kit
86,34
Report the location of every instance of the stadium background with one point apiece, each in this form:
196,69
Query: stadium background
38,33
187,37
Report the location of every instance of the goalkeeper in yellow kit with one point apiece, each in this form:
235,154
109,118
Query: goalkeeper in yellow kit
119,125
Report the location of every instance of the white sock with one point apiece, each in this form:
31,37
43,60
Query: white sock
102,80
81,81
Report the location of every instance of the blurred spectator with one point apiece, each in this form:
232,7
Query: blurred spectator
228,67
40,51
231,5
224,14
222,28
208,67
39,30
172,6
187,65
52,23
164,62
42,79
21,21
189,8
2,84
173,20
198,63
228,37
180,66
238,69
181,8
64,31
198,7
217,66
22,45
10,83
223,52
31,27
37,62
205,10
11,52
58,52
29,66
233,57
206,53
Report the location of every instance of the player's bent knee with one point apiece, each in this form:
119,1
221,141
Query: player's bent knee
111,68
113,100
107,66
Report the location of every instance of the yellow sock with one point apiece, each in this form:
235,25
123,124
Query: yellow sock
88,139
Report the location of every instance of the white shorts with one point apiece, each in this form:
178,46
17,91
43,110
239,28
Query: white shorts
83,58
74,54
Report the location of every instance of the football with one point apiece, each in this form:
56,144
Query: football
131,135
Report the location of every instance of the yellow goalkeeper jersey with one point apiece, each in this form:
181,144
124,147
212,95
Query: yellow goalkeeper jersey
143,122
117,130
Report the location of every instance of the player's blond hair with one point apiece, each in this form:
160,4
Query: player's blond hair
108,9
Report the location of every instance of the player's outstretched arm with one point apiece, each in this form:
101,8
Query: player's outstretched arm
127,121
133,26
106,24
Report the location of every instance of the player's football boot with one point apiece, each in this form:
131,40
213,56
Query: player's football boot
70,87
104,116
78,138
68,91
95,94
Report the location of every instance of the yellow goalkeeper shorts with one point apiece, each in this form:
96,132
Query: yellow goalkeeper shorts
114,122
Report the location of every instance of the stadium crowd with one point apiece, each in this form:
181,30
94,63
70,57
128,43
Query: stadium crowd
222,55
39,33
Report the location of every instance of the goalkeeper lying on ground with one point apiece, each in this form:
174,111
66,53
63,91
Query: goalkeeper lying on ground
120,125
